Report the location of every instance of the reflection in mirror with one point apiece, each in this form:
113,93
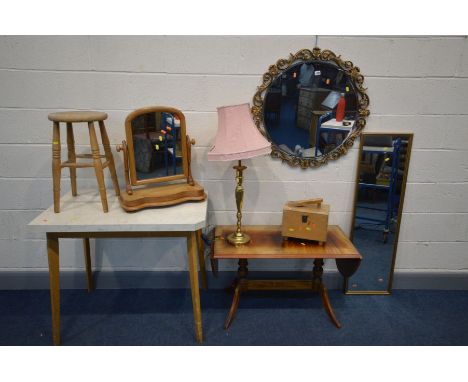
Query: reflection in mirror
311,105
310,108
380,188
157,145
157,156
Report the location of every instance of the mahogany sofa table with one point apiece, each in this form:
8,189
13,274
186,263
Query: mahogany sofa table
82,217
267,243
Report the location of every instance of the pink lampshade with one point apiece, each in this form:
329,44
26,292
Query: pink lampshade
238,137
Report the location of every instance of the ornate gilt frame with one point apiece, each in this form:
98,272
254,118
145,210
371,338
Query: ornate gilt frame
281,66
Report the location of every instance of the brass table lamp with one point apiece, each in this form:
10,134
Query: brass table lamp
238,138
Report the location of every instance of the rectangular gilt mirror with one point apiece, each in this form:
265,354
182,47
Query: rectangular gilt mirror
378,204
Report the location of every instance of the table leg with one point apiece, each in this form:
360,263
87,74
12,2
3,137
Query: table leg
328,307
201,259
234,305
54,279
213,262
89,270
317,278
193,271
239,284
242,272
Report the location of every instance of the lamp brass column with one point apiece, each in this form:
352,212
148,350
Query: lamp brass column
238,237
237,138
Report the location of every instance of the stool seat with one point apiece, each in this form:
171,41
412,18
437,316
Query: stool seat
77,116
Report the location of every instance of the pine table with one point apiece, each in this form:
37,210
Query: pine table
82,217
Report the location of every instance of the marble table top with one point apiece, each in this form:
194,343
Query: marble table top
83,213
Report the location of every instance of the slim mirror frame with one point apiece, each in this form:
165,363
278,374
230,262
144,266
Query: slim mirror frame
409,138
131,153
304,55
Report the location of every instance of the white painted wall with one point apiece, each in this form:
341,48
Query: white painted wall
416,84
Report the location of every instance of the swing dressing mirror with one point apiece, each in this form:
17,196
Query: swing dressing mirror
157,151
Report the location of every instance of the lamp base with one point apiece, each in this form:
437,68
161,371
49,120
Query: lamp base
238,238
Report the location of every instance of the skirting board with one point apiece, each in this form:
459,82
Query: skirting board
76,279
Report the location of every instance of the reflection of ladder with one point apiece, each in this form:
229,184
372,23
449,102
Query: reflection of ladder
170,126
391,210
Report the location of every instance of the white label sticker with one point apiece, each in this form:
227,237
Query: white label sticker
317,72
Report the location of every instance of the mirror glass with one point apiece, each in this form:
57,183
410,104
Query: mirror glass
302,106
157,145
380,187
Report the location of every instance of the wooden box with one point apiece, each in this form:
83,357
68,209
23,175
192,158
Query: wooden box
306,219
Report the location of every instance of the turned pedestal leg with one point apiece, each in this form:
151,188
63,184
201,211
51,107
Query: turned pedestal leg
71,157
242,272
317,272
98,166
109,157
56,165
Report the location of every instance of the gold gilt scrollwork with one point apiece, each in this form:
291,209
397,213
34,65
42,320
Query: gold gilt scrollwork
284,64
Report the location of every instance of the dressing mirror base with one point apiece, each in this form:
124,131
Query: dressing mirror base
162,196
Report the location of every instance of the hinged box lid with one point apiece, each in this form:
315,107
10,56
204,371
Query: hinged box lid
308,206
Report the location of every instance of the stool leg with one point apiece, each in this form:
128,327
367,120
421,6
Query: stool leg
56,165
109,157
98,165
71,157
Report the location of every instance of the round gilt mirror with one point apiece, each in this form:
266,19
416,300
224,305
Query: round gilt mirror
311,107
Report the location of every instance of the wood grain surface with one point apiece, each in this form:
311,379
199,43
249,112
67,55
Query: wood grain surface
268,243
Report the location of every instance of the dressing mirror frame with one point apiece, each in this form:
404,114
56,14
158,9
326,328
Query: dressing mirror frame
409,137
134,181
281,66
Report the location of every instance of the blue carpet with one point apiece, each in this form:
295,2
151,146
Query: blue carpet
374,271
164,317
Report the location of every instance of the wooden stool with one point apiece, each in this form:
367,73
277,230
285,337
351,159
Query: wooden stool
90,117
